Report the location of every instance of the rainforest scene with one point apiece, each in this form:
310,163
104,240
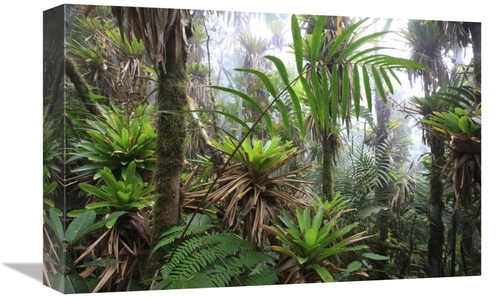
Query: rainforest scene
200,148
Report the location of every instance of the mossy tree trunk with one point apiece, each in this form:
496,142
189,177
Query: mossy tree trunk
436,226
171,138
328,148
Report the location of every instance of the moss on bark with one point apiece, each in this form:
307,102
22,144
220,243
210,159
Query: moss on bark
170,144
171,136
436,226
327,169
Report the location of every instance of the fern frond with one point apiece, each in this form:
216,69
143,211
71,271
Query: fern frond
251,259
174,233
206,259
266,276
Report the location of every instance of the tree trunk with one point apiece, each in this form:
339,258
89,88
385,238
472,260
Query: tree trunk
436,226
171,137
80,86
327,169
475,30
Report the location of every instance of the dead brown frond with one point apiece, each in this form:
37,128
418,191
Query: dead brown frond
154,27
466,174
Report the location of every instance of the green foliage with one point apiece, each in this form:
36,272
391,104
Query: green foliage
207,258
69,283
249,100
116,139
92,55
327,84
48,188
79,227
337,203
344,59
51,152
197,69
125,47
65,279
258,158
308,242
427,42
125,194
455,122
256,188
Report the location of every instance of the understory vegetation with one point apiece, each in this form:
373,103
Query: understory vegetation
196,152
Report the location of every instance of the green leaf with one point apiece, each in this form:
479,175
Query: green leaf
325,275
302,259
353,46
49,259
56,225
292,227
252,103
356,90
375,257
109,219
345,91
87,167
300,214
318,101
77,212
465,125
362,54
199,219
387,80
368,89
293,95
317,220
48,203
102,204
353,266
49,188
79,224
97,192
335,93
341,38
297,44
227,115
263,78
123,197
310,99
341,276
310,237
378,83
74,284
284,116
325,97
316,39
111,222
109,178
93,96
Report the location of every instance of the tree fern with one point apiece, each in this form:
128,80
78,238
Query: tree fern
211,259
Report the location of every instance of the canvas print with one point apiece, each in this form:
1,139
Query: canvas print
197,149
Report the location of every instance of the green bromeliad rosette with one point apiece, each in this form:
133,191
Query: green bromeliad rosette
126,194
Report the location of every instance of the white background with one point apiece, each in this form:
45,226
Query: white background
21,146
